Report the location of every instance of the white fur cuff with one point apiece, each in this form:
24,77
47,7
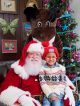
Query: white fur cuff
11,95
28,101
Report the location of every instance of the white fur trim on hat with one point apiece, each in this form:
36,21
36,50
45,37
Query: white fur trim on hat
36,47
11,95
18,69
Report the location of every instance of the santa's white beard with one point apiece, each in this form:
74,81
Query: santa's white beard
33,67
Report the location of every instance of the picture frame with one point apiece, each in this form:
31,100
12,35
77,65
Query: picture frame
8,6
9,46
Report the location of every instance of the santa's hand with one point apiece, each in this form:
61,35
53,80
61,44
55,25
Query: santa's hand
25,101
28,101
28,93
36,102
69,95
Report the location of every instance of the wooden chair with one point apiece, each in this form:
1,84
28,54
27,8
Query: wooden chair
3,72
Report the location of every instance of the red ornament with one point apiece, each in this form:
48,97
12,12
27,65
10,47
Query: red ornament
58,23
45,43
45,1
76,56
63,1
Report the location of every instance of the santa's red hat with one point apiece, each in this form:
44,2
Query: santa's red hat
32,46
49,49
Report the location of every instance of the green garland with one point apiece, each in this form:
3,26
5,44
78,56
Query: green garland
58,3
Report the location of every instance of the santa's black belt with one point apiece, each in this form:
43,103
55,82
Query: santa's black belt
38,97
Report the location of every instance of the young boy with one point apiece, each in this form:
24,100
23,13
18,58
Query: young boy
53,80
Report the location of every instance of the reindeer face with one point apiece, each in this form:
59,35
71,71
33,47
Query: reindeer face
43,21
42,28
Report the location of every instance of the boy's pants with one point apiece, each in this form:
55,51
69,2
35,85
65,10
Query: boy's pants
58,102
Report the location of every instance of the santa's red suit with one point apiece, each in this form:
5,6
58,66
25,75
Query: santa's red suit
14,86
18,84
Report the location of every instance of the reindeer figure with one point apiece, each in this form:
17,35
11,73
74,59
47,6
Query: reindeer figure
43,23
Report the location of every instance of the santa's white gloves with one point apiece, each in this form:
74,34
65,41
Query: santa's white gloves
70,84
69,95
28,101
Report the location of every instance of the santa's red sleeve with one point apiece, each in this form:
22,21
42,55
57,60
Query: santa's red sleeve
10,89
66,102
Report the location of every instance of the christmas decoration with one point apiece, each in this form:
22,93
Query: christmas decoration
66,14
76,56
27,28
45,3
8,27
65,27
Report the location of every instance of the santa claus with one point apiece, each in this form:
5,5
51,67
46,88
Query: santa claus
21,84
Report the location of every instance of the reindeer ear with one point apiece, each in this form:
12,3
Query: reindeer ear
31,12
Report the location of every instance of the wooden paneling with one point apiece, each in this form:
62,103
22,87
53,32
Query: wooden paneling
6,59
19,35
9,17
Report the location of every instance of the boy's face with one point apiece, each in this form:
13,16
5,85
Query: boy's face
50,59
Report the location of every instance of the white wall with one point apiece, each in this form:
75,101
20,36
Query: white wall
75,6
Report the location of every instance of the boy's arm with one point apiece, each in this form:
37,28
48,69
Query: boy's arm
70,84
45,87
68,91
68,81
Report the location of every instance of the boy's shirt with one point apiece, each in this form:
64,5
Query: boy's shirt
53,79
